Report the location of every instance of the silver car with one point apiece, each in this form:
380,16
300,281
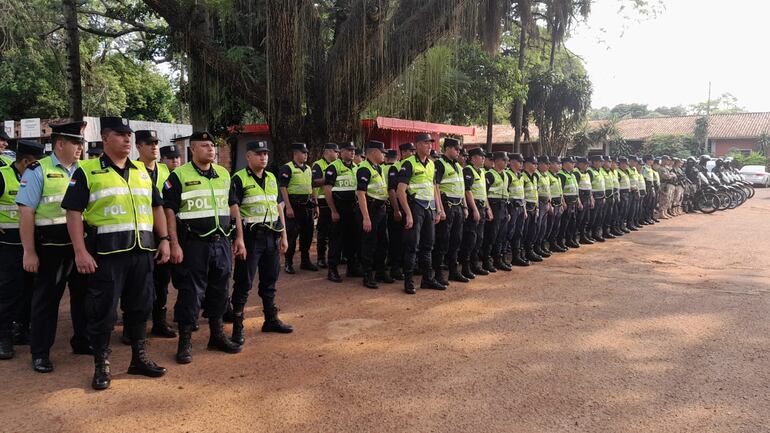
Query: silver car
756,174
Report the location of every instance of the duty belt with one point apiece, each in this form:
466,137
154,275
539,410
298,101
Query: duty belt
531,206
425,204
517,202
556,201
216,237
373,202
598,194
449,201
299,198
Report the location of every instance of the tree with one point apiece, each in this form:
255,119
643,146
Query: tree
70,9
763,143
727,103
626,111
680,146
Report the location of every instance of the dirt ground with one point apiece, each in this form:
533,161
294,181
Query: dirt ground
664,330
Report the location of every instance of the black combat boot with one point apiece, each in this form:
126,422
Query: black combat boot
20,333
487,265
498,263
429,282
556,248
273,323
289,268
532,256
456,275
571,243
142,365
160,327
370,281
607,235
184,348
466,271
238,335
102,375
333,275
6,345
440,278
537,249
383,276
477,269
306,264
217,338
396,273
409,284
518,260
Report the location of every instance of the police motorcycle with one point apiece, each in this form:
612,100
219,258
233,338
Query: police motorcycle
729,196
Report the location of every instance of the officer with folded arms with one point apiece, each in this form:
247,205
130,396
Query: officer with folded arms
259,241
121,207
200,211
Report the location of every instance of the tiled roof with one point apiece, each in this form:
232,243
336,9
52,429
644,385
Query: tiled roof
501,133
741,125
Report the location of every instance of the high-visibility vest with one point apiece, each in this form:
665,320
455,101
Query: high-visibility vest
607,180
530,187
301,181
633,178
259,206
555,185
647,173
583,179
478,187
515,186
656,177
377,188
346,178
570,183
204,206
499,187
597,180
119,210
50,217
543,186
623,180
9,210
421,182
5,160
322,165
451,184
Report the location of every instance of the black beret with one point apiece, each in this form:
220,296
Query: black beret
117,124
531,159
542,159
500,155
423,137
169,151
451,142
476,151
516,157
29,147
146,136
331,146
72,130
406,146
374,144
391,153
299,147
346,146
96,148
201,136
257,146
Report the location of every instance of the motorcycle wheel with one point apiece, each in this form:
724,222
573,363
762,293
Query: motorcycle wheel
707,202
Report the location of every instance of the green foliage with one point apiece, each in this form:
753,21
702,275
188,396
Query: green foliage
763,142
754,158
727,103
624,111
680,146
633,111
701,130
606,136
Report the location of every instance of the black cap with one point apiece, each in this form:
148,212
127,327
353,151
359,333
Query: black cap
515,157
633,158
500,155
117,124
489,155
622,159
146,136
581,160
374,144
596,158
201,136
451,142
476,151
29,147
71,130
257,146
665,157
531,159
406,146
568,159
554,159
348,146
648,157
4,136
391,153
299,147
607,158
171,151
542,159
359,151
423,137
464,152
95,148
331,146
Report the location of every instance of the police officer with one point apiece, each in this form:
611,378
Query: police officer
358,156
449,231
4,139
529,181
586,199
330,154
259,241
95,149
624,187
396,216
15,284
557,203
169,156
48,250
478,213
420,199
120,207
544,205
340,193
295,180
200,210
649,185
371,195
147,146
516,209
616,222
598,193
497,196
609,196
571,192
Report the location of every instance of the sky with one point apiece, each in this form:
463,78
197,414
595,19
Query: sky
670,59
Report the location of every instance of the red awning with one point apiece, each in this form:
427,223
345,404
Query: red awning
253,128
417,126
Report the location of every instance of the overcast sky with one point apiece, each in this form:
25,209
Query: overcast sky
669,60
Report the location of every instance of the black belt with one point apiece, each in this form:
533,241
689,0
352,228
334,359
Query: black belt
373,202
598,194
531,206
517,202
480,203
299,198
216,237
556,201
449,202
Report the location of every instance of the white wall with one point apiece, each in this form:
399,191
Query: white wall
166,132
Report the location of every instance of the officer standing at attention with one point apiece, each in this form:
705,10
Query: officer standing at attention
95,149
120,207
529,180
516,209
340,193
609,196
558,204
14,282
396,216
598,193
147,146
497,197
330,154
570,189
624,188
544,205
48,250
169,156
295,180
4,139
478,213
260,239
586,199
420,199
371,195
199,210
449,232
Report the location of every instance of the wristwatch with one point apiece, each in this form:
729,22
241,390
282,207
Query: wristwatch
165,238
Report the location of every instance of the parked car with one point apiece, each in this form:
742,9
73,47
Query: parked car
756,174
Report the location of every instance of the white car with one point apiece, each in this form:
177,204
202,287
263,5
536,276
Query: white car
756,174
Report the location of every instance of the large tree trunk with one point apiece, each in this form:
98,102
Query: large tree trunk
490,124
518,108
75,92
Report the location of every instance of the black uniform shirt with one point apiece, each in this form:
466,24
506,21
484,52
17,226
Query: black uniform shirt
364,176
468,177
172,191
392,178
77,195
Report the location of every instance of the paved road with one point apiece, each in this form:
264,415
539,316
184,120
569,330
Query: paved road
664,330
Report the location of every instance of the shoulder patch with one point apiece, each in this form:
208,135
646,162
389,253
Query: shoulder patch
33,165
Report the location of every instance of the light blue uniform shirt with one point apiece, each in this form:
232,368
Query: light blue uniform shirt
31,185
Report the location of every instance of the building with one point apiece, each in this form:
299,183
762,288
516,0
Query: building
394,132
502,138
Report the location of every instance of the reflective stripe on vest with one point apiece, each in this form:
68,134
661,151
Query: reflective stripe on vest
499,188
633,178
55,183
451,184
377,189
346,178
530,187
322,165
570,184
607,180
9,211
623,180
515,186
204,206
555,185
259,206
584,180
301,181
421,183
478,188
543,186
120,210
597,180
647,173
